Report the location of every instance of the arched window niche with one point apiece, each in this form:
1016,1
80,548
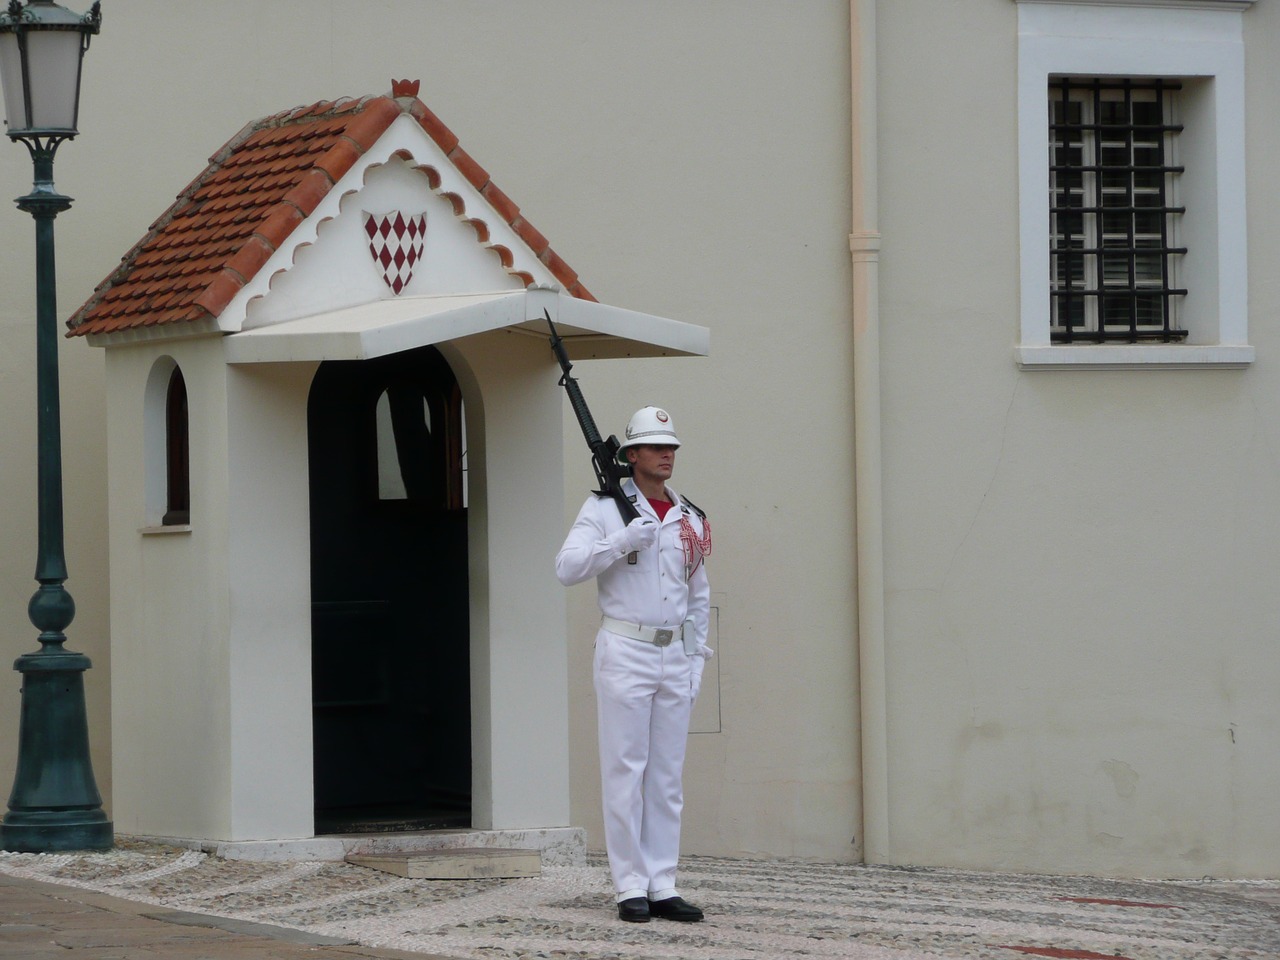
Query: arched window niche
166,448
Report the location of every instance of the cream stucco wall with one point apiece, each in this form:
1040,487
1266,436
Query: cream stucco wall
731,210
1080,565
211,622
169,617
519,688
268,597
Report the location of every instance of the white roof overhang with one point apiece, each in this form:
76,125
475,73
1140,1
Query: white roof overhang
590,330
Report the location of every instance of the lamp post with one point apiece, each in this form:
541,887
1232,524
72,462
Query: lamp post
55,804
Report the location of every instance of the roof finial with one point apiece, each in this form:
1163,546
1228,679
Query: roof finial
404,88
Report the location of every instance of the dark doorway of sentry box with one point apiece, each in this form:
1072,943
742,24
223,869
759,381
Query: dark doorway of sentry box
390,618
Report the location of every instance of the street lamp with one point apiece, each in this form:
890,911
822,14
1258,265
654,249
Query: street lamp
55,804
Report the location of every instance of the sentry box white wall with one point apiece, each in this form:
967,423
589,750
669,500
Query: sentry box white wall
213,674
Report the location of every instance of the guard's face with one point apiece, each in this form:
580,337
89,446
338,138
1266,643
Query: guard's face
652,461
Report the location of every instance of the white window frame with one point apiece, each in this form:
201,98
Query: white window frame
1201,43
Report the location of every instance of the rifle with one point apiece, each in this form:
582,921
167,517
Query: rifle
604,453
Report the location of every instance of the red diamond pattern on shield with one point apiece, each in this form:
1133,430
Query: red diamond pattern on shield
395,243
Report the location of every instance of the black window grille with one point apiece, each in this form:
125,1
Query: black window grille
1112,223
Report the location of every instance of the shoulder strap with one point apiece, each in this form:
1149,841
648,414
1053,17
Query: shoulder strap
696,509
602,495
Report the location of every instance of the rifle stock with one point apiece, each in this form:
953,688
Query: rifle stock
604,453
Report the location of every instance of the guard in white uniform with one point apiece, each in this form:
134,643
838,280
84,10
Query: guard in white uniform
649,655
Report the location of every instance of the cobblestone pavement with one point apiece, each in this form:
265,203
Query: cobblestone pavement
756,910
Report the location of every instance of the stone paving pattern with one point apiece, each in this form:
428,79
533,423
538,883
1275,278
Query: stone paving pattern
167,902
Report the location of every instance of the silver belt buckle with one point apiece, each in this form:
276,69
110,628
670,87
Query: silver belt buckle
662,637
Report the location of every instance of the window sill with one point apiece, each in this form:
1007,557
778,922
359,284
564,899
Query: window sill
166,530
1134,356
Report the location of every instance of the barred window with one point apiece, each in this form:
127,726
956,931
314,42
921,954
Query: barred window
1113,218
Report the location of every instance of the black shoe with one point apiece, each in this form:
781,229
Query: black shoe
674,908
634,910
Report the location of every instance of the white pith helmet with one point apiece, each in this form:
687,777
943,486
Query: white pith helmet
648,425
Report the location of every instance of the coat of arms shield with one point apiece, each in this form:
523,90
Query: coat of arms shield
395,243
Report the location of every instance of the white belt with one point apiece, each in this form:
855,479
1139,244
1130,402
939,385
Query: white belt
658,636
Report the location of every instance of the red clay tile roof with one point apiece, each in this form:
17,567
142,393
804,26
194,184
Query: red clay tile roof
256,190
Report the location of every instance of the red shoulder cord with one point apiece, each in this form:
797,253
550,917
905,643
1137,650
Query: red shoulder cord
695,547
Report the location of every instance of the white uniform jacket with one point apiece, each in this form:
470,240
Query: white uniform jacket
655,591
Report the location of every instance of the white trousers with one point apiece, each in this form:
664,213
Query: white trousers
644,697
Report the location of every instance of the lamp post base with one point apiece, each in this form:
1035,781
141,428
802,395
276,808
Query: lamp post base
60,830
55,804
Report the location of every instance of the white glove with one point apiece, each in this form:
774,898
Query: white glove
695,677
639,534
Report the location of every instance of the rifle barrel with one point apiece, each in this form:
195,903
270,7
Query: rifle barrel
577,401
608,471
